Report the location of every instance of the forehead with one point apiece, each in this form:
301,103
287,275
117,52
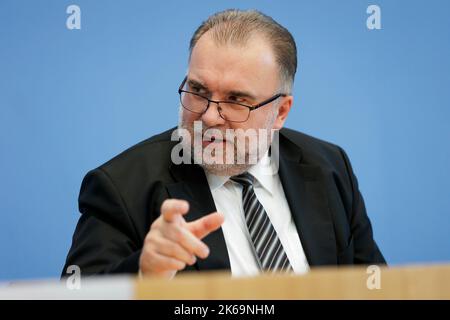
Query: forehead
222,67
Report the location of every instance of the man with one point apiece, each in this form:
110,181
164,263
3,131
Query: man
230,207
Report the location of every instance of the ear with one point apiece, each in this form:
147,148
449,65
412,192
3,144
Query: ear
283,111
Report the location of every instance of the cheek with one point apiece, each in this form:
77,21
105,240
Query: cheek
258,119
237,125
189,117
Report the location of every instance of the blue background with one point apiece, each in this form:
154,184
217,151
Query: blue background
72,99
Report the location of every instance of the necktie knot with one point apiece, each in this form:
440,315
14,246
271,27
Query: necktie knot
245,179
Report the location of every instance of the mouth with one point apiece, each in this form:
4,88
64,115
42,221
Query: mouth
213,139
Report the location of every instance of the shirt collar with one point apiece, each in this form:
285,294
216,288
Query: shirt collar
262,171
214,181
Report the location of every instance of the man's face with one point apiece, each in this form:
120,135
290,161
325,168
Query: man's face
247,74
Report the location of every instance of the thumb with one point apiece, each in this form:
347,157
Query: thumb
205,225
173,209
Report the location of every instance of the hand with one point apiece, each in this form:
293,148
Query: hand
172,243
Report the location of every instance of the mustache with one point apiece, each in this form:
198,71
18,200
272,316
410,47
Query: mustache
211,133
213,136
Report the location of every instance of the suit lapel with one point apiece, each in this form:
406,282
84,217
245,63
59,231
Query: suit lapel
191,185
304,188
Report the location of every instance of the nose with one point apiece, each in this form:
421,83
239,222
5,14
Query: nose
212,117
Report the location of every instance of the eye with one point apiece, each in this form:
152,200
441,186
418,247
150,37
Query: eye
195,89
199,90
237,99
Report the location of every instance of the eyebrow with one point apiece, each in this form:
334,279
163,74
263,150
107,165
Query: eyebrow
241,94
195,83
237,93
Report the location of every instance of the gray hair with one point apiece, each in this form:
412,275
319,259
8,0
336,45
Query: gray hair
237,26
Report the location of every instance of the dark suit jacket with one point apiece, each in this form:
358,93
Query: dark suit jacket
120,200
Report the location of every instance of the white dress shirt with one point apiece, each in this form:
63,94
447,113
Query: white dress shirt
227,197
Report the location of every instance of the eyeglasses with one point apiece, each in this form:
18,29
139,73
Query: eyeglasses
228,110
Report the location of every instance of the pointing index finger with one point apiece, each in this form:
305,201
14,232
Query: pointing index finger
205,225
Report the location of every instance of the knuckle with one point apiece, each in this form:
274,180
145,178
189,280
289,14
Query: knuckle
179,265
171,250
149,252
150,238
155,223
177,234
145,260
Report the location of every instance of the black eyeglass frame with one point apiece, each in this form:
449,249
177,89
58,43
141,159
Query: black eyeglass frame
218,102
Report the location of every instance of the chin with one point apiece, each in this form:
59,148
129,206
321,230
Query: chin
225,169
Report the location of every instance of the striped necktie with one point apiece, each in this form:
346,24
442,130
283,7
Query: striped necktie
267,245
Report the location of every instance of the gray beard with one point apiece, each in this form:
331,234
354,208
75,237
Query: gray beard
228,169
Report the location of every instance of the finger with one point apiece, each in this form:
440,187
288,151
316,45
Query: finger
172,208
187,240
174,250
205,225
165,263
